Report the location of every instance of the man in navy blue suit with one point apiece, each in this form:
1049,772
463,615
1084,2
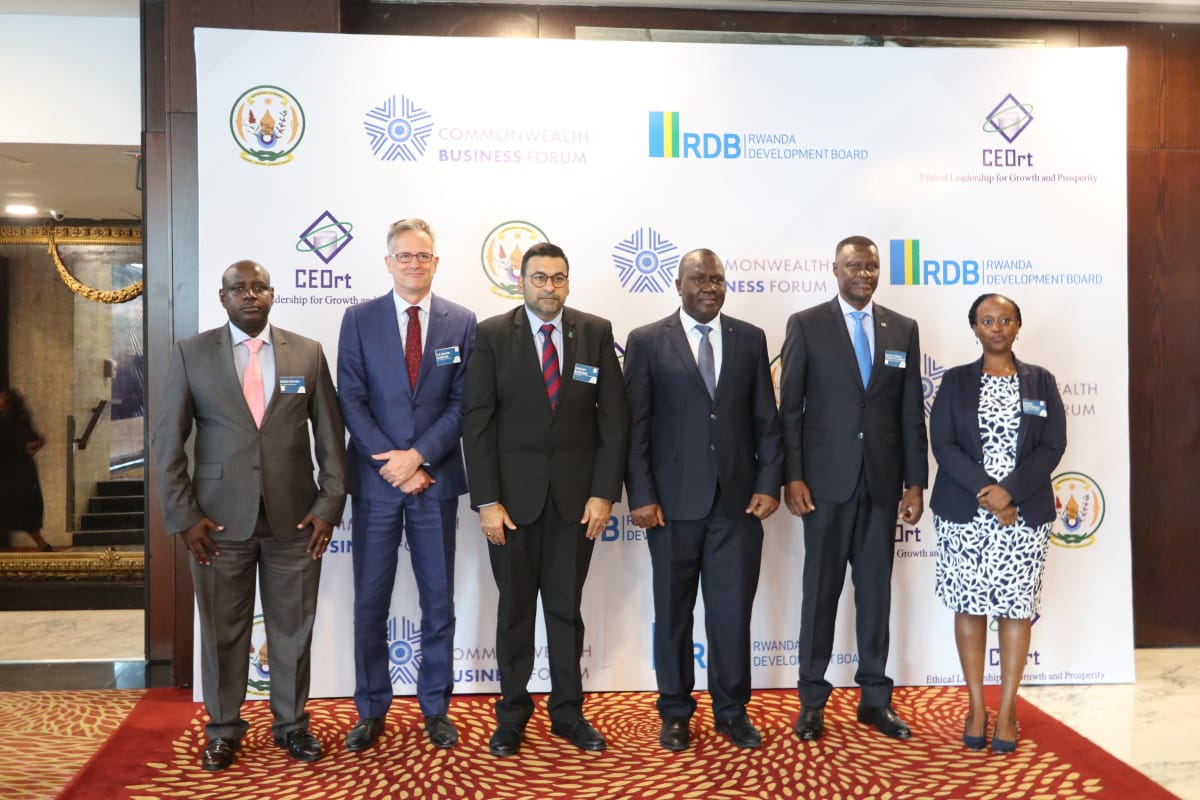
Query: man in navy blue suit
401,359
704,469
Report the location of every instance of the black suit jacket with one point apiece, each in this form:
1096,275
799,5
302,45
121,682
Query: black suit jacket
517,449
834,427
683,444
954,433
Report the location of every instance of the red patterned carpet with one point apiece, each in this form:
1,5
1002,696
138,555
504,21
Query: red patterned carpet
155,754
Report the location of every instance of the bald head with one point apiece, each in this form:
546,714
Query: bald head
247,295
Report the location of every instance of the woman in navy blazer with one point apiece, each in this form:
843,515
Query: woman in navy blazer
997,429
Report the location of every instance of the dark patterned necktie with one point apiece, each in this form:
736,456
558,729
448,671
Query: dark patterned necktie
550,365
412,347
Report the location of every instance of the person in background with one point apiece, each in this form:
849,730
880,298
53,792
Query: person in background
998,429
21,506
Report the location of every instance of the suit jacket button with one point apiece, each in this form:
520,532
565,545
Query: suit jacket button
712,416
862,405
860,434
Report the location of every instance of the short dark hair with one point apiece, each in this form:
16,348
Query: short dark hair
546,250
857,241
982,297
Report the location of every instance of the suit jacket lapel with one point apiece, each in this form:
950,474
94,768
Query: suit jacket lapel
525,356
227,366
970,405
879,321
566,362
729,344
433,336
849,359
678,337
283,366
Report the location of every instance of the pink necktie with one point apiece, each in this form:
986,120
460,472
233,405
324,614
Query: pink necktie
252,382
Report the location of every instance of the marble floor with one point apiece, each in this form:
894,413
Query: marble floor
1147,724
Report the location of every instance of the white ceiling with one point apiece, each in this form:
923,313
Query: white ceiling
79,181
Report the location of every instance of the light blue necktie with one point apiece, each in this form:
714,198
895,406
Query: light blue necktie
707,361
862,347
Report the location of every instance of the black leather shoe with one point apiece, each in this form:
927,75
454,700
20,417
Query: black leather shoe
580,734
675,735
441,730
810,724
885,719
364,733
506,741
740,730
218,754
301,745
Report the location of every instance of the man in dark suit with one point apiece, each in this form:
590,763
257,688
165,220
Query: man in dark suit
401,359
705,464
853,423
545,429
250,504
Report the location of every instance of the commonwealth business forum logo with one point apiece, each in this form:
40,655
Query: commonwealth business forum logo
404,650
646,261
397,129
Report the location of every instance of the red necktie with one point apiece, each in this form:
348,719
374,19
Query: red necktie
412,347
252,382
550,365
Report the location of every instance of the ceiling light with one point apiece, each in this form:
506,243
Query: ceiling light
20,211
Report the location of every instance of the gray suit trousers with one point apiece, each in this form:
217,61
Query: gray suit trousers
288,581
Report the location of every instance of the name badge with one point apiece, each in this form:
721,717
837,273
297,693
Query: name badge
291,385
447,355
1034,408
895,358
586,374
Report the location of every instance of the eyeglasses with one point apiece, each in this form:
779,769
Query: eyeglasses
245,291
407,258
538,279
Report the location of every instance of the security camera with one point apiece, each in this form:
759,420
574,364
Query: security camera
57,216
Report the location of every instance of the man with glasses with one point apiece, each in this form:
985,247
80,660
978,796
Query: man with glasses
401,359
853,419
250,505
545,427
705,463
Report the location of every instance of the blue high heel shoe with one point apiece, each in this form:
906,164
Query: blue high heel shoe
1005,745
977,742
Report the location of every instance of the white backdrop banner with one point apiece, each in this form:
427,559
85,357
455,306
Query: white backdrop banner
974,170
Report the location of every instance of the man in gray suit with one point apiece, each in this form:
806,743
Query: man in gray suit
250,504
